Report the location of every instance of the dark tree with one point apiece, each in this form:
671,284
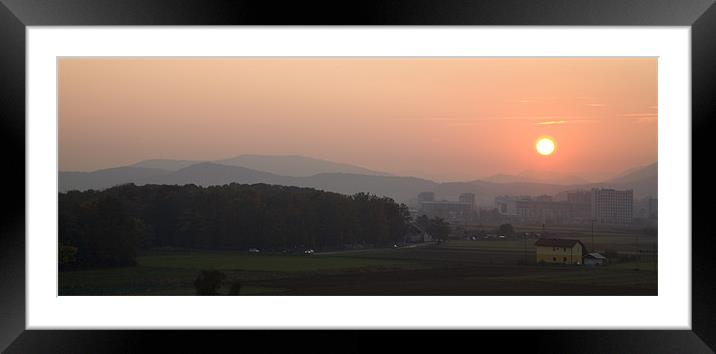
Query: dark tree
109,226
439,228
102,231
209,282
436,227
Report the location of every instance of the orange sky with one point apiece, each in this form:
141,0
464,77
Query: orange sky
441,118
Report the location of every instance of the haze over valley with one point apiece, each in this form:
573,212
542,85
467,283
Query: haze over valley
300,171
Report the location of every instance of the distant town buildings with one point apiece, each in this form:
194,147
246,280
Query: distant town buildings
581,203
646,208
610,206
541,209
458,211
603,206
467,198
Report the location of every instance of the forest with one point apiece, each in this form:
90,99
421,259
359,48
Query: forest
108,227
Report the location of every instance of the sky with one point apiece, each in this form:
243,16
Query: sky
447,119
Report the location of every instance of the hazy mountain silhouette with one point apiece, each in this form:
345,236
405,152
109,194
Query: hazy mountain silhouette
399,188
537,177
208,173
295,165
403,189
637,174
643,180
165,164
105,178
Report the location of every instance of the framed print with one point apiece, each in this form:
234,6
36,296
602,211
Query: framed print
454,166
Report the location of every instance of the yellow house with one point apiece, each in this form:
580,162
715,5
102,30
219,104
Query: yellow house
560,251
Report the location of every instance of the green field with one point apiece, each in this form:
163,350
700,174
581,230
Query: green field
173,273
457,267
261,263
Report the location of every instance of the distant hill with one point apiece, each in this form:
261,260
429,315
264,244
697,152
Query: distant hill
295,165
105,178
643,180
637,174
165,164
537,177
403,189
208,174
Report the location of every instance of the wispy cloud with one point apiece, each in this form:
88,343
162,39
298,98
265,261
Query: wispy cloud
571,121
640,118
481,118
645,119
553,122
649,114
517,118
537,120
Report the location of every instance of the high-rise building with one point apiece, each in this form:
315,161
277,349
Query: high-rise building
610,206
467,198
452,211
541,209
579,196
581,202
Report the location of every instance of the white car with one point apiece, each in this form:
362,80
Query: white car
308,251
254,250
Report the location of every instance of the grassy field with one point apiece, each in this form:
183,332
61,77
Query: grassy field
457,267
173,273
605,238
261,263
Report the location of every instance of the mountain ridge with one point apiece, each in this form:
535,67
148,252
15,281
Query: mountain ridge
536,177
295,165
400,188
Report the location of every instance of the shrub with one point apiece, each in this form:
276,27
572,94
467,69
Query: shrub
235,288
208,282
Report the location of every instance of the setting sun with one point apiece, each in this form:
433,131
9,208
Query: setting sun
545,146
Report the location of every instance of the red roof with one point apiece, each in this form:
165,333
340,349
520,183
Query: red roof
557,242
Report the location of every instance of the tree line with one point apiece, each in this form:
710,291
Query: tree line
106,228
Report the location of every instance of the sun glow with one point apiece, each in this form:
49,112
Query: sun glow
545,146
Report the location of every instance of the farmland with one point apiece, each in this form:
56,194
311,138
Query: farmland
456,267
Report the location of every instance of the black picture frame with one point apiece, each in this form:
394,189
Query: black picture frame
16,15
